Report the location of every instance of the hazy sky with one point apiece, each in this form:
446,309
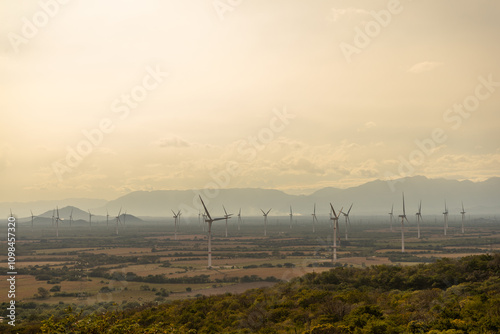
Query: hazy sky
286,94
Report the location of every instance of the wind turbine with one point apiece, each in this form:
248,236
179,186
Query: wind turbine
57,223
445,213
53,216
209,220
226,216
335,219
117,221
107,218
347,220
265,220
239,219
32,219
291,217
419,217
315,219
391,214
176,218
463,217
90,219
71,218
403,218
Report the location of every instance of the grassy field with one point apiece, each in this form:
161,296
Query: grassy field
244,259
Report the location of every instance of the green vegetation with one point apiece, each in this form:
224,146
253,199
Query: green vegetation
448,296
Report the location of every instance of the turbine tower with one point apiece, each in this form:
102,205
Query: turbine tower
391,215
463,217
347,220
419,217
403,218
335,219
239,219
176,218
226,216
291,217
265,220
315,219
445,213
209,220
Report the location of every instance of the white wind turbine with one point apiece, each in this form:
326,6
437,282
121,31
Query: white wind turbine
335,219
265,220
57,222
403,218
226,216
391,215
71,218
315,219
107,219
32,219
209,220
347,220
419,218
90,219
445,213
117,221
176,219
463,217
291,217
239,219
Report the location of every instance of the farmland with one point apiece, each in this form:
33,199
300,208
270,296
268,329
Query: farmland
144,263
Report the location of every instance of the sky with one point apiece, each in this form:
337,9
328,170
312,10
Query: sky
101,98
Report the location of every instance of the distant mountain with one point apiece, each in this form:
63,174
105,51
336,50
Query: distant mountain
372,198
22,209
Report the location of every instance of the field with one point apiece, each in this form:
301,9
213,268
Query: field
145,263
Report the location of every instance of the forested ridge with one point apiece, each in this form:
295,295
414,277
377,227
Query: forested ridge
449,296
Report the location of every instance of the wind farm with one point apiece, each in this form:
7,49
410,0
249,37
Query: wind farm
208,256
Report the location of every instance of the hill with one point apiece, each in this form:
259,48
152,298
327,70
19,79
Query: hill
372,198
449,296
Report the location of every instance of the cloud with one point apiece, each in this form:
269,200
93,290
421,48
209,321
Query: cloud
367,125
337,14
173,141
424,67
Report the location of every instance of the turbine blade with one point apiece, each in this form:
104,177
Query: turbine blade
350,209
404,211
206,211
333,210
268,211
263,212
224,210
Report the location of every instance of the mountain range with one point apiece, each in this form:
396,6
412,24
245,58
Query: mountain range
372,198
